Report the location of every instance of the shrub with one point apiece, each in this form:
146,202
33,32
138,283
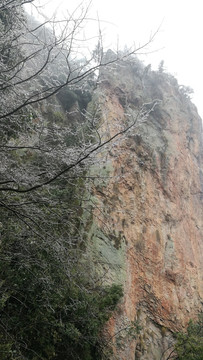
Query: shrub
189,345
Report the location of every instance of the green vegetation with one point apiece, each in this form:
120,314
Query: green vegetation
52,307
189,345
69,97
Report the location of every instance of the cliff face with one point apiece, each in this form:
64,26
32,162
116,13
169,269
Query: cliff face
147,229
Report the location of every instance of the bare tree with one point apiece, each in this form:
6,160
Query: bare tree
38,62
48,139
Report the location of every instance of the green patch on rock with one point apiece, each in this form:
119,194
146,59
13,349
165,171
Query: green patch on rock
108,258
102,174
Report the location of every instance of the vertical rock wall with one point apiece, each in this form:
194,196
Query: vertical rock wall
147,229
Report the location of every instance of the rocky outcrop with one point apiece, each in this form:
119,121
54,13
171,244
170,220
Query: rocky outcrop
147,228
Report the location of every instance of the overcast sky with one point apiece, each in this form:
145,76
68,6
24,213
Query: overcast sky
178,41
